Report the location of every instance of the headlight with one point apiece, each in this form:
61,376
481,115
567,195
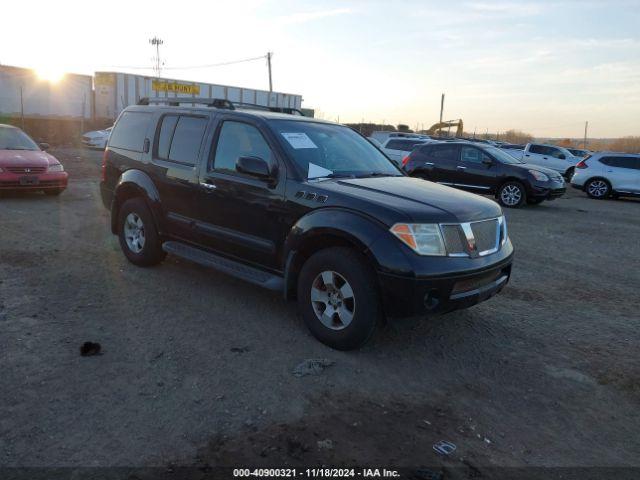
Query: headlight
55,168
539,176
1,170
422,238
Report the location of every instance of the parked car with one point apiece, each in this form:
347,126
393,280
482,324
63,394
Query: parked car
301,206
383,136
483,168
398,148
512,146
25,165
576,152
549,156
97,138
606,174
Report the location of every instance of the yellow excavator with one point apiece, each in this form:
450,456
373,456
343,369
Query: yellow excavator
438,127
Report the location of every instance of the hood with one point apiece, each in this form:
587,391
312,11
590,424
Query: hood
27,158
417,199
529,166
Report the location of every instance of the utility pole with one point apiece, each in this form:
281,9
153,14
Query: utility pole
21,108
586,126
441,107
155,41
269,55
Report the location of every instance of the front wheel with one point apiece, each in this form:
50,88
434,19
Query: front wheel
139,239
598,188
512,195
338,298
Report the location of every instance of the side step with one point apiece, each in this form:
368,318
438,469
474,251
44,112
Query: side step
224,265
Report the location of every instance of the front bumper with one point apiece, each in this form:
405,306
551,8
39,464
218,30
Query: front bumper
548,190
42,181
404,297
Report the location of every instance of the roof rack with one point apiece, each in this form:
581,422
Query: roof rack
217,103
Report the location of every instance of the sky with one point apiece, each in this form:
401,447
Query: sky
544,67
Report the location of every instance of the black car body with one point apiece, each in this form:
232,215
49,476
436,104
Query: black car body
484,169
247,206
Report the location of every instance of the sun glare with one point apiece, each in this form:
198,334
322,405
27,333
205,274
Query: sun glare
50,74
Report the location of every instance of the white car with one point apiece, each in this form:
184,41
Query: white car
605,174
550,156
396,148
97,138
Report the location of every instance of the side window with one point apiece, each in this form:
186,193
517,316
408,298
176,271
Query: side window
554,152
539,149
444,152
187,138
395,145
472,155
130,131
623,162
166,134
237,140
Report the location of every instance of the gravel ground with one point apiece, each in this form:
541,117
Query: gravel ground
197,367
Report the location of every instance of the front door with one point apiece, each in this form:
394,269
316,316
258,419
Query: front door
241,215
444,158
473,173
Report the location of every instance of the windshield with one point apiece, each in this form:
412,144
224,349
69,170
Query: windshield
501,155
14,139
325,150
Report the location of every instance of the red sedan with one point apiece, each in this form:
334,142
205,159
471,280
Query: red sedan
26,166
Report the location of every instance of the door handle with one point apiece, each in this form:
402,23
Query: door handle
208,186
527,155
545,158
460,167
429,164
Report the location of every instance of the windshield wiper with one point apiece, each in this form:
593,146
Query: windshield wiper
333,175
377,174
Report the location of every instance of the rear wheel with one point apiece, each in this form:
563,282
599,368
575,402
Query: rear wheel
598,188
512,195
338,298
139,239
569,173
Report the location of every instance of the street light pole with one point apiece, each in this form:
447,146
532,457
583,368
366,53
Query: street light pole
155,41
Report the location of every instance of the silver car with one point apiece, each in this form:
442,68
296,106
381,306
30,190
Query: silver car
605,174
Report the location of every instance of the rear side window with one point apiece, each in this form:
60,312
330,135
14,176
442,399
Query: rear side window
405,145
539,149
622,162
130,131
187,138
237,140
180,138
444,152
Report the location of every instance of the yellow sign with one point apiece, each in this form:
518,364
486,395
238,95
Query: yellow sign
102,79
175,87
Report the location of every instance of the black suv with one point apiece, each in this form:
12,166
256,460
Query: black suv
304,207
485,169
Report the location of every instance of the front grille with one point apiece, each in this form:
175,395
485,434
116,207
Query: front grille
486,234
474,238
27,170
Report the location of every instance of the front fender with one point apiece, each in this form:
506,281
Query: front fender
136,183
368,235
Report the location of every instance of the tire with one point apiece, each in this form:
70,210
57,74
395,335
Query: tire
598,188
53,191
512,194
569,173
139,239
535,201
341,279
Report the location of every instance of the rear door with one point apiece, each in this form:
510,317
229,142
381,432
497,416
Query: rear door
623,172
472,173
176,152
443,160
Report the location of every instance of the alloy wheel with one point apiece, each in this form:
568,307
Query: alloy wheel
333,300
598,188
511,195
134,232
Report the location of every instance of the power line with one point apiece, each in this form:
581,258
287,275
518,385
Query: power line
190,67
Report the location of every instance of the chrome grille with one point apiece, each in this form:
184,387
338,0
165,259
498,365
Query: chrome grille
21,170
486,235
453,239
474,239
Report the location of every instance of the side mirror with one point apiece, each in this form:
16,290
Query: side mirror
256,167
562,156
44,146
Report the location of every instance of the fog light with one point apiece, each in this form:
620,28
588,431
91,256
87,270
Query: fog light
431,300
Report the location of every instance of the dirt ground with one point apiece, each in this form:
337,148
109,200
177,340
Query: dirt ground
197,367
